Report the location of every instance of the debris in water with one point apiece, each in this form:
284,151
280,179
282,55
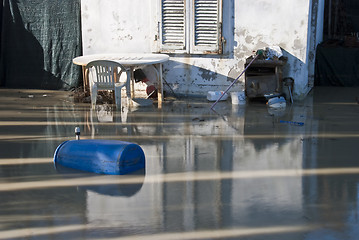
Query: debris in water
81,96
292,123
198,119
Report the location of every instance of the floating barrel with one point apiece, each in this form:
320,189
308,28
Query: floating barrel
100,156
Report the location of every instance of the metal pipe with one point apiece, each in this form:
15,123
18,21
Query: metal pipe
288,81
214,104
77,133
290,94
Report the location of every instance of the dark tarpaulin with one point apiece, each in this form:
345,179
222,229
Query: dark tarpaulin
337,66
39,39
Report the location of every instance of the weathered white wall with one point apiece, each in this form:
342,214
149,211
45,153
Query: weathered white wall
115,26
131,26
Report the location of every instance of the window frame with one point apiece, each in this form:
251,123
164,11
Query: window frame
192,21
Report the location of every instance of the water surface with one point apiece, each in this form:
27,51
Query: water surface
242,172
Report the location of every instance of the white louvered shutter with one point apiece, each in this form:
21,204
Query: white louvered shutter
173,27
206,33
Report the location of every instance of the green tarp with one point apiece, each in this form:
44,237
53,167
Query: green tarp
39,39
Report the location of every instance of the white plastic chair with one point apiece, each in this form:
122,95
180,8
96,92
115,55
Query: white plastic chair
106,76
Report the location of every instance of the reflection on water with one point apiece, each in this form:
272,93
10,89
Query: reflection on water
242,172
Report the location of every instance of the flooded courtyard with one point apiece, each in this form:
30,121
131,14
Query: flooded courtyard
240,172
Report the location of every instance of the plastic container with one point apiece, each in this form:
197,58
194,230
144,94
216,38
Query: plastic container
277,102
215,95
238,98
100,156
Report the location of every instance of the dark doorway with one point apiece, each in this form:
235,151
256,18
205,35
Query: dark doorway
341,19
337,58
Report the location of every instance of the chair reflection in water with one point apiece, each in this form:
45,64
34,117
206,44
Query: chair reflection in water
106,75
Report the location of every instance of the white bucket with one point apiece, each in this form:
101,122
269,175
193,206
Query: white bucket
238,98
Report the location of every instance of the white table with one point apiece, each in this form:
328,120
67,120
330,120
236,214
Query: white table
130,60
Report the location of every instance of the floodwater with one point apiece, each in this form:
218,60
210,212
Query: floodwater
242,172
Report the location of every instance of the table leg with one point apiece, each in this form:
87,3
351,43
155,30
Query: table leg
85,79
159,85
132,85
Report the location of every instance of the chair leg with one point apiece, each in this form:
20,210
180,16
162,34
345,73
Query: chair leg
93,96
118,98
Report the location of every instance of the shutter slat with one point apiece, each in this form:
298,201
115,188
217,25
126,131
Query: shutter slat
206,22
173,22
204,26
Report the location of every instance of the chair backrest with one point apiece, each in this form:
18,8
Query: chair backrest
106,72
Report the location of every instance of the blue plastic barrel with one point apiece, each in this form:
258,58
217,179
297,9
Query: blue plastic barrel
100,156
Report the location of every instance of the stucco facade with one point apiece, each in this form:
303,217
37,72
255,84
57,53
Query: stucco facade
132,26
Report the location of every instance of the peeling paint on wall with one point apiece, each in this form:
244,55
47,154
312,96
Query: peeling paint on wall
232,75
207,75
